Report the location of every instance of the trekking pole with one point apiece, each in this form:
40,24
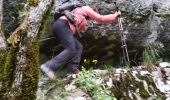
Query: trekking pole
123,40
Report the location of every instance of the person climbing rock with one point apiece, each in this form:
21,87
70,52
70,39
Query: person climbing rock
65,32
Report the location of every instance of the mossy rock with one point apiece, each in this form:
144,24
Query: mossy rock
142,91
33,2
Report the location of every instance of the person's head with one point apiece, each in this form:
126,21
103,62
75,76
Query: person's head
93,5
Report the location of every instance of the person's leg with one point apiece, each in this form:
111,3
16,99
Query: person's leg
65,36
73,66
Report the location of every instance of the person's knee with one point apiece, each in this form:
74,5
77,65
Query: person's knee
72,51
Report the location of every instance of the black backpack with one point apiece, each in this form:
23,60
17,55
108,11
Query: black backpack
66,7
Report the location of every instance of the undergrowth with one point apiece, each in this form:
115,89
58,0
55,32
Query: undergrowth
86,80
151,55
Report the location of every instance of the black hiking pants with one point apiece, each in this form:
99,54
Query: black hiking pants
72,48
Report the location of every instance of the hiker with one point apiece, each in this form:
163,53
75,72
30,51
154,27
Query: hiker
65,31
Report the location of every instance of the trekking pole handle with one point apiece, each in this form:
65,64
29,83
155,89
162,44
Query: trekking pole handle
119,18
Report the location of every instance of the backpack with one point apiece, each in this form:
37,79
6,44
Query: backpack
66,7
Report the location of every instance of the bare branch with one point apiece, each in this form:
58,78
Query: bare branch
14,37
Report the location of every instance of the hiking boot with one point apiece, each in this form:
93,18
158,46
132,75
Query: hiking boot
49,73
73,70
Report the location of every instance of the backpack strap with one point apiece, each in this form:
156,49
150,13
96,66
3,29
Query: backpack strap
77,30
69,16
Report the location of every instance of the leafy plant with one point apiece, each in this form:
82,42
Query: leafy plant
155,98
88,63
86,80
151,54
109,68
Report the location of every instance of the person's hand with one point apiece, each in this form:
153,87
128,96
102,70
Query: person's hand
118,13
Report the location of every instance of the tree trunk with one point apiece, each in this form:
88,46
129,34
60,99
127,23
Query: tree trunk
2,38
2,43
21,72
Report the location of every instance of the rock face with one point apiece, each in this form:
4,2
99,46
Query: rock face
130,84
11,14
144,21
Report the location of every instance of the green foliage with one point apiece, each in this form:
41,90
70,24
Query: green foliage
142,91
109,68
151,54
86,80
90,62
33,2
150,88
156,98
51,85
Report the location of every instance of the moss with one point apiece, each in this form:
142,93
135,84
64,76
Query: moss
164,16
143,93
156,90
150,88
33,2
2,62
140,76
142,19
8,71
127,80
118,89
130,82
149,80
160,94
11,15
45,21
121,87
30,72
162,97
